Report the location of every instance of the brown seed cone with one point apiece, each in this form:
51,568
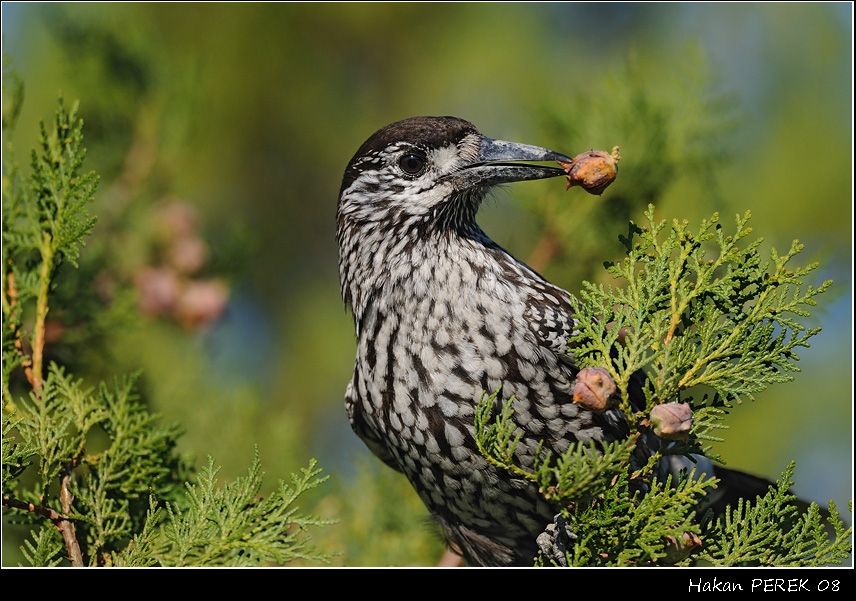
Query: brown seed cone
594,389
672,421
592,170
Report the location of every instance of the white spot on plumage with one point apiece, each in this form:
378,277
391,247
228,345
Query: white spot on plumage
454,436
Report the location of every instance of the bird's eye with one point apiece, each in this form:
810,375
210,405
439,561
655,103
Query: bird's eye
411,163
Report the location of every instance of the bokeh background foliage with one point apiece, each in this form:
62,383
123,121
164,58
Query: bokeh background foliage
221,132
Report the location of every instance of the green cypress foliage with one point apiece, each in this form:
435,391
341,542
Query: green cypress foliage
90,470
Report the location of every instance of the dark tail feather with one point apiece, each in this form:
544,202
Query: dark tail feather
734,485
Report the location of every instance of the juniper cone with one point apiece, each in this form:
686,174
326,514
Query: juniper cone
442,313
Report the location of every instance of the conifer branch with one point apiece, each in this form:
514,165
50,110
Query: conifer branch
66,526
698,307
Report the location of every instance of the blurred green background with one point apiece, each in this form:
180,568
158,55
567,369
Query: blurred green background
221,132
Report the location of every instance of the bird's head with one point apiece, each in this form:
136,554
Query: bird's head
435,168
414,178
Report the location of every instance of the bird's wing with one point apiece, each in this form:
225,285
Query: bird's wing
364,430
550,320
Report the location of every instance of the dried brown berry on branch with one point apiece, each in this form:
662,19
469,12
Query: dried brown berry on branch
594,389
592,170
672,421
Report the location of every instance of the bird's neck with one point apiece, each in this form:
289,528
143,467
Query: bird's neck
376,264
